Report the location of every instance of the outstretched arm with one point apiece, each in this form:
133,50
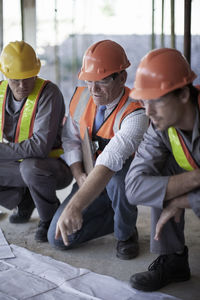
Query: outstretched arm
71,218
111,160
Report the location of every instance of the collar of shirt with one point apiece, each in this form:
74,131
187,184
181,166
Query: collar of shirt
190,137
196,128
13,106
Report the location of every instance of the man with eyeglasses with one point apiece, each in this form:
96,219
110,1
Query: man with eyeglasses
165,172
97,205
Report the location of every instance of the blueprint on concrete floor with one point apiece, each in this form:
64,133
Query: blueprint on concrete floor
5,251
32,276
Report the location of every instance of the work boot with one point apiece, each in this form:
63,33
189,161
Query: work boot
43,226
130,248
23,211
41,233
164,270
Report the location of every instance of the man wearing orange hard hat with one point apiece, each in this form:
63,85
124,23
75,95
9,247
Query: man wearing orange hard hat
98,205
165,173
31,114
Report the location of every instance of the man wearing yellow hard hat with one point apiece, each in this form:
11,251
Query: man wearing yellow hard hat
100,205
31,114
165,173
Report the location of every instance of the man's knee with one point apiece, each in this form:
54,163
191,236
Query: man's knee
58,242
26,167
32,169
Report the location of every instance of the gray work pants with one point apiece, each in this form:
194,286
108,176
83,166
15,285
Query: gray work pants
172,238
41,176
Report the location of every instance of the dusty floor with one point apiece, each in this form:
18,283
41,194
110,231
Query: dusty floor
99,255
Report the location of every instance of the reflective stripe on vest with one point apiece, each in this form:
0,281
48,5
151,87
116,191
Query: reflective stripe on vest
83,110
27,115
56,153
26,120
177,150
3,89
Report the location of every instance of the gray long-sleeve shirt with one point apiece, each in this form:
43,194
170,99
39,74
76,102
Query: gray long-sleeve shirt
47,126
147,178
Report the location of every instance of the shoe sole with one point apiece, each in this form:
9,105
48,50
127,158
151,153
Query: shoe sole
14,219
19,221
41,240
126,256
146,289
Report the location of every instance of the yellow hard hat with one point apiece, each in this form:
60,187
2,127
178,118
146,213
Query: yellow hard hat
18,61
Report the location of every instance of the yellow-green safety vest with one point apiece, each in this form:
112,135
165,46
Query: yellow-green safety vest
27,115
180,151
185,162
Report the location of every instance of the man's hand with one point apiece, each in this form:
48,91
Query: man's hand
71,218
69,222
171,210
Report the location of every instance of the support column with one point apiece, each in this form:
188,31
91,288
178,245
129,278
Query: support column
1,25
1,31
28,17
173,39
187,30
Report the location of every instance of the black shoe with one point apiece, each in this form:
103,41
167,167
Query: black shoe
41,233
128,249
164,270
23,211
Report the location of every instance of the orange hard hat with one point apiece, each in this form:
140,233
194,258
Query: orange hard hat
103,59
160,72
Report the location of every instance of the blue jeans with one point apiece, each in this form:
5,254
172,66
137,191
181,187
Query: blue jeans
107,213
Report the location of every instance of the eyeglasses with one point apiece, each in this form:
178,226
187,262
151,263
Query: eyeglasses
105,82
153,103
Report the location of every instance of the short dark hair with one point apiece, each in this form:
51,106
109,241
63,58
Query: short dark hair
193,93
192,89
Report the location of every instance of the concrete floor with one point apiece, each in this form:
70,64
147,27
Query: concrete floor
99,255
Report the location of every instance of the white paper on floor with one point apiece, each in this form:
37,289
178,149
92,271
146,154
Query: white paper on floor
33,276
5,251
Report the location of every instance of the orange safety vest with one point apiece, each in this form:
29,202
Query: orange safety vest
26,119
180,151
83,111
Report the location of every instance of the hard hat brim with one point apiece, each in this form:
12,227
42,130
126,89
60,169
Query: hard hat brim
22,75
89,76
151,93
147,94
